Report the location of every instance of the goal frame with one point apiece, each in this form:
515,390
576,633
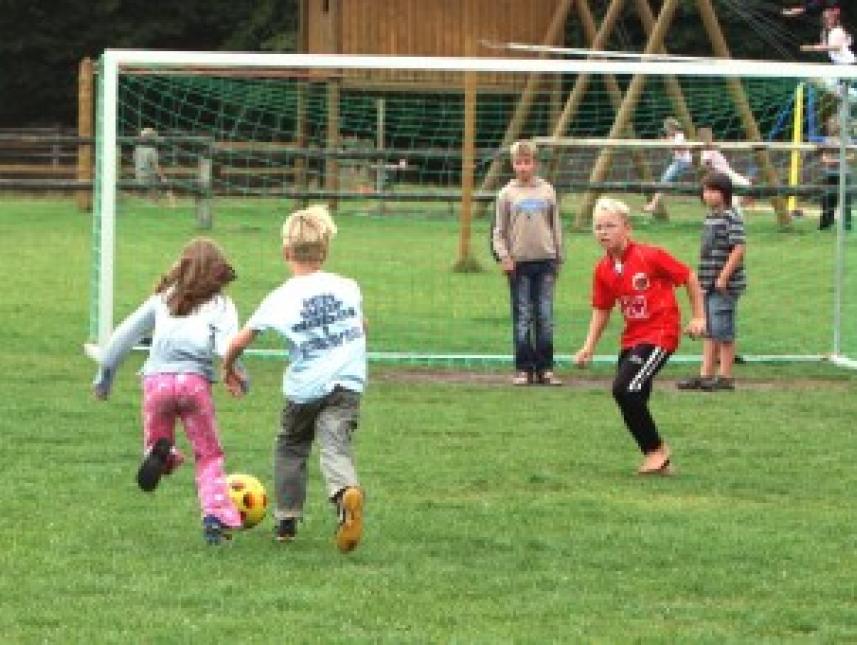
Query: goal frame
114,61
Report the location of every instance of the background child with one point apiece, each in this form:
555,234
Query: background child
192,321
147,167
527,240
642,280
320,315
831,166
721,275
712,160
681,162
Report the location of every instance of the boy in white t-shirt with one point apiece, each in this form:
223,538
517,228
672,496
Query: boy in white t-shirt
681,162
320,315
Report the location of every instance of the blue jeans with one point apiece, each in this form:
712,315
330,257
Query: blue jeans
720,314
531,287
676,169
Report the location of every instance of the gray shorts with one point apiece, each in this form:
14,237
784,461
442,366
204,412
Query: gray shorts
720,313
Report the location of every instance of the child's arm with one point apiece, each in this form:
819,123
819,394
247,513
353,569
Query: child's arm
498,235
732,262
233,378
123,339
597,323
696,327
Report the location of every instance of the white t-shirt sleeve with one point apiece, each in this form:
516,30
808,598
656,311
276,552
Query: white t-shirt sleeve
267,314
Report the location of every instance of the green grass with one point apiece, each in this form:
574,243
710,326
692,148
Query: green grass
493,515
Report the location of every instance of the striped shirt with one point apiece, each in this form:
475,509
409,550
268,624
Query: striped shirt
724,230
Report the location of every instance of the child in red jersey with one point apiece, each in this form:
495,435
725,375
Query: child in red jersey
642,279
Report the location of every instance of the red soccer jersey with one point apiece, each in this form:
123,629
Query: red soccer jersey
644,283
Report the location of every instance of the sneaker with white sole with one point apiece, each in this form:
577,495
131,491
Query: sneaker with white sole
350,530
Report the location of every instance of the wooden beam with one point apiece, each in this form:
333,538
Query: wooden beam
625,112
525,103
614,91
674,91
751,127
85,110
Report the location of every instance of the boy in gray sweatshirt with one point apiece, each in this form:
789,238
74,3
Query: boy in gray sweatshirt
527,241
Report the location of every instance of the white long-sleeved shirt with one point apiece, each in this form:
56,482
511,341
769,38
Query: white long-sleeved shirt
180,344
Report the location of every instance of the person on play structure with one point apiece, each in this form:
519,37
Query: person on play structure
681,162
809,8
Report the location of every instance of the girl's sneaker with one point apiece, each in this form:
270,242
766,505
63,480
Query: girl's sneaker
154,465
214,531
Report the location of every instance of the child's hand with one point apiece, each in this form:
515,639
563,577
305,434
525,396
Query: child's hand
508,265
583,357
695,328
236,382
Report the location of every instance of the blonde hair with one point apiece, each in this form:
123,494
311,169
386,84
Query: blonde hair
307,234
148,133
523,149
612,206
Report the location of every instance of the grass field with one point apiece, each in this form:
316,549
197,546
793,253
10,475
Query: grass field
493,515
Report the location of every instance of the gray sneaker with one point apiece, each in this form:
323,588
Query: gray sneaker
718,383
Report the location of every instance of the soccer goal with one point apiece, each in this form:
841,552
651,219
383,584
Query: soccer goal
410,152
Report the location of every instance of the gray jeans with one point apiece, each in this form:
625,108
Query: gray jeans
332,419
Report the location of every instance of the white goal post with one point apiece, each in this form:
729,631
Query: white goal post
116,62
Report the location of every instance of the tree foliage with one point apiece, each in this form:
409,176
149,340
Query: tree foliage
42,46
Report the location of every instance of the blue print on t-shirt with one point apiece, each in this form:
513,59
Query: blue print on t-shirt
320,311
530,206
323,311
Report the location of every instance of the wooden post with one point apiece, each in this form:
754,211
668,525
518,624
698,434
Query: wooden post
522,109
204,214
381,162
466,262
331,162
626,110
84,130
334,90
300,163
751,128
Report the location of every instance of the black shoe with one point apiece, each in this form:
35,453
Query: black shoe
214,531
154,465
286,530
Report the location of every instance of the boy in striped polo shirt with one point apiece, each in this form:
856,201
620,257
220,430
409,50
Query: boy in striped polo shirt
723,280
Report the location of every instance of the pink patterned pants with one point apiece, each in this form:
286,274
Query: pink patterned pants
167,397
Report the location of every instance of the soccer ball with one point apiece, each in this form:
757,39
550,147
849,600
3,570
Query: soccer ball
249,497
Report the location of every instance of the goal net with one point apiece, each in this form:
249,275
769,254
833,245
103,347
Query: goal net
410,153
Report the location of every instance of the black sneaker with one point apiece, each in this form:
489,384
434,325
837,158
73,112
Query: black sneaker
214,531
154,465
286,530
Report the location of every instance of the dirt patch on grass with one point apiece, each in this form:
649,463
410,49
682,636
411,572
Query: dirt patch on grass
585,381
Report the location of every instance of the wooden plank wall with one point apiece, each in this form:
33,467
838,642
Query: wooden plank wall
425,28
